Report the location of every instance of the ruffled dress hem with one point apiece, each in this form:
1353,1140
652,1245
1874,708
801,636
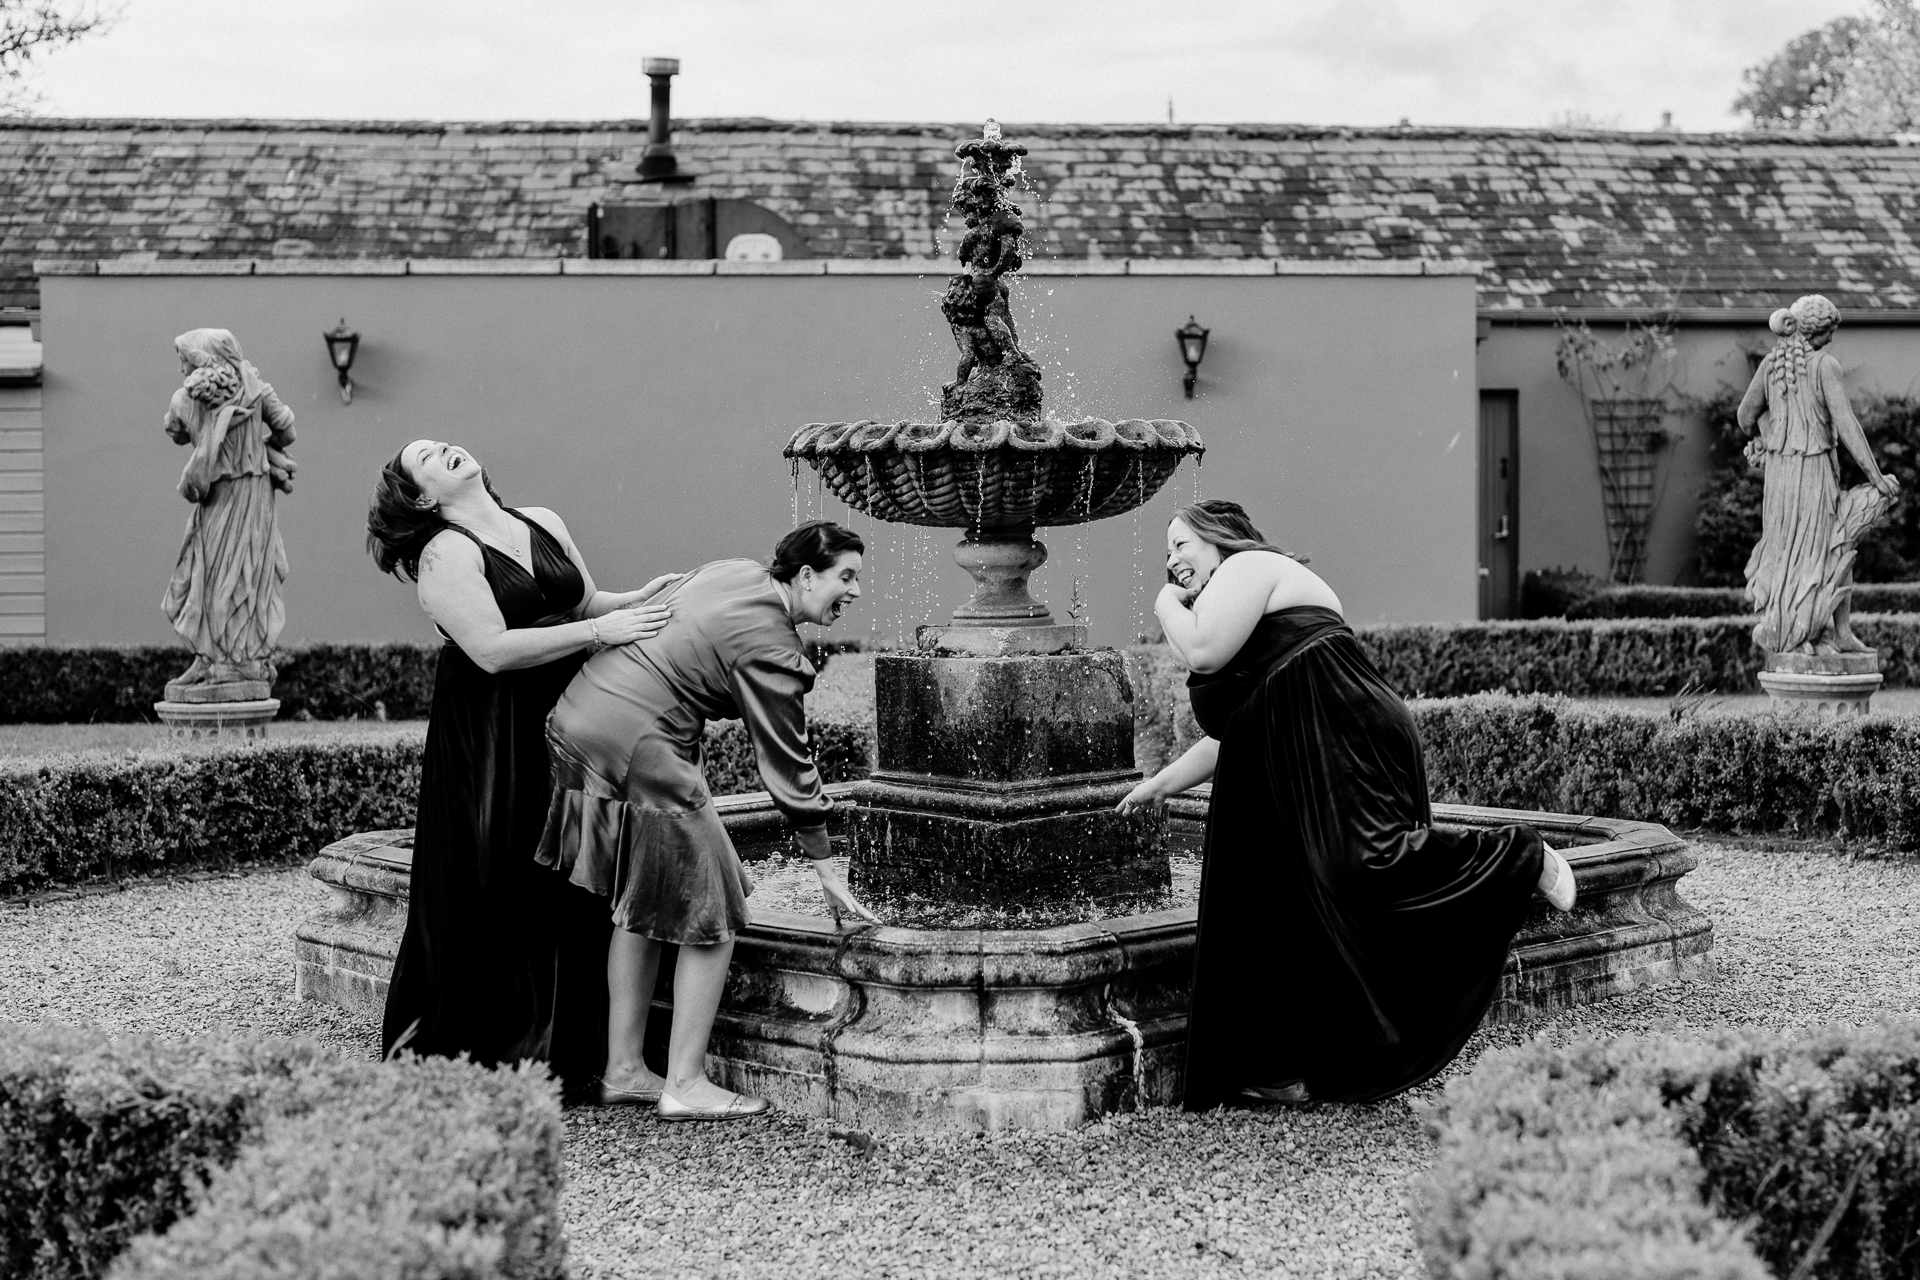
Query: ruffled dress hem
670,876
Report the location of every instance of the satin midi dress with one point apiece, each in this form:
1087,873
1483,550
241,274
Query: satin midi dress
1344,940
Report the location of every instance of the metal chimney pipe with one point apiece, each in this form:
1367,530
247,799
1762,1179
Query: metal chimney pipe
657,163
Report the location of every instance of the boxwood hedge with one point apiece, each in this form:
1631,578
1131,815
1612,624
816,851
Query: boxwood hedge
76,817
1740,1157
147,1160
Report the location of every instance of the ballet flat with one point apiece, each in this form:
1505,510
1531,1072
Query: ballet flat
614,1096
739,1107
1564,888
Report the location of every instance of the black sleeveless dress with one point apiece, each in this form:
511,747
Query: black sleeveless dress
1343,941
501,958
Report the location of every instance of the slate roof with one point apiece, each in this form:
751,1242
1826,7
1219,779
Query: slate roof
1574,220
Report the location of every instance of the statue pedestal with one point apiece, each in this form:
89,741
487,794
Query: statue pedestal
1839,684
242,719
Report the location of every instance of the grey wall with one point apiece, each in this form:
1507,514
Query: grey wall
1561,519
650,411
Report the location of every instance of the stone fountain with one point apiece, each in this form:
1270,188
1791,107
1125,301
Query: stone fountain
1003,743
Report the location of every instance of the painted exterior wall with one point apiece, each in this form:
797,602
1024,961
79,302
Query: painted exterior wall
1562,521
650,410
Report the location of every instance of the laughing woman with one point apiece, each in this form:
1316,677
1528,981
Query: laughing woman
1347,947
632,819
487,963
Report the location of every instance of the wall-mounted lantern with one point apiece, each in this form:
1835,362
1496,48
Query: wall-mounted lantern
1192,337
342,344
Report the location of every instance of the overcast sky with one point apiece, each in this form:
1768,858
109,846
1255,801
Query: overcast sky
1473,62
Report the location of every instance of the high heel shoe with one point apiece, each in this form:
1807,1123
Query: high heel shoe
1560,890
739,1107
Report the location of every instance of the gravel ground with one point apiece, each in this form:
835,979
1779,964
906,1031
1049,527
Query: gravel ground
1802,936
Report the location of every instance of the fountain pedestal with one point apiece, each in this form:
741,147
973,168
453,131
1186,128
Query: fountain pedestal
996,784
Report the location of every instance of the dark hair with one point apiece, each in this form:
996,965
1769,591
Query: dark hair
1225,525
398,527
814,545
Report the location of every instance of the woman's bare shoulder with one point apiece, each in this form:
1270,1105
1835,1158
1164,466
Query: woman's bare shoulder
449,549
547,518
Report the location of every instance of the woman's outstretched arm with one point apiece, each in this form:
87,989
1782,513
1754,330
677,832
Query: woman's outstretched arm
1189,771
453,590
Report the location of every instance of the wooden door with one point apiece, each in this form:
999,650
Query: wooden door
1499,504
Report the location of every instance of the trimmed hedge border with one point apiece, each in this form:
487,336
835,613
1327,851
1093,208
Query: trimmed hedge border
1591,658
1734,1158
92,815
1562,593
147,1160
68,818
1753,775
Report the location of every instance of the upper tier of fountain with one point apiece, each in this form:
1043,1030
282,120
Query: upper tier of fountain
994,463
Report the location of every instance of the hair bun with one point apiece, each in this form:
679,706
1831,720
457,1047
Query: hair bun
1783,322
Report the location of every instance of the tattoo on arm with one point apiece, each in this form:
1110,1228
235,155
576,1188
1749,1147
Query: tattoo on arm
429,557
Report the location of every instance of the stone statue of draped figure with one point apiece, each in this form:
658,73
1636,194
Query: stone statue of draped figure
224,598
1800,575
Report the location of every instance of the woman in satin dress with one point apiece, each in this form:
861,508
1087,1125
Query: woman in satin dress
500,959
633,821
1347,948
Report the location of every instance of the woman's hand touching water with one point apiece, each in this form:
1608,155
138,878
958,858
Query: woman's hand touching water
841,904
1145,798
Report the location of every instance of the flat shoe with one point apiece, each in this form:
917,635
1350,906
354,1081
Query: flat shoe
1560,894
1291,1094
738,1107
614,1096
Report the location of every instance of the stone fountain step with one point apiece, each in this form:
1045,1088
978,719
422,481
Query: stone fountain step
1045,1028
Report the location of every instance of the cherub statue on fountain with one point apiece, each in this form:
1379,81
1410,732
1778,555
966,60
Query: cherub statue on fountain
995,378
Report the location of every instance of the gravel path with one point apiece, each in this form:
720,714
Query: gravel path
1802,936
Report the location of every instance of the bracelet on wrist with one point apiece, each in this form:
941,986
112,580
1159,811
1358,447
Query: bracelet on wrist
593,630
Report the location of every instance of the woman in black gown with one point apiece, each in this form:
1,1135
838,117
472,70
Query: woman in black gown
501,959
1347,948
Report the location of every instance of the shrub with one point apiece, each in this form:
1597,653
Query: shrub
238,1159
52,684
102,1139
67,818
74,817
1720,1158
1791,775
1604,600
423,1169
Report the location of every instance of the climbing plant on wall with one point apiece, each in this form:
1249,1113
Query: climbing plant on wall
1626,390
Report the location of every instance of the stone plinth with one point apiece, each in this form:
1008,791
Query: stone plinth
1838,684
248,719
980,1029
997,780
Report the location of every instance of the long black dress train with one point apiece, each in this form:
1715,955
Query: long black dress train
501,959
1343,940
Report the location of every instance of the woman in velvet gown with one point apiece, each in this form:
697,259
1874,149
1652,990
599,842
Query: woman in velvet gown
1347,948
500,959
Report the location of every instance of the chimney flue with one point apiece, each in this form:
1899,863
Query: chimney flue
657,163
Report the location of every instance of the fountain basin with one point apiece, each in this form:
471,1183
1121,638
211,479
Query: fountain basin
976,1029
